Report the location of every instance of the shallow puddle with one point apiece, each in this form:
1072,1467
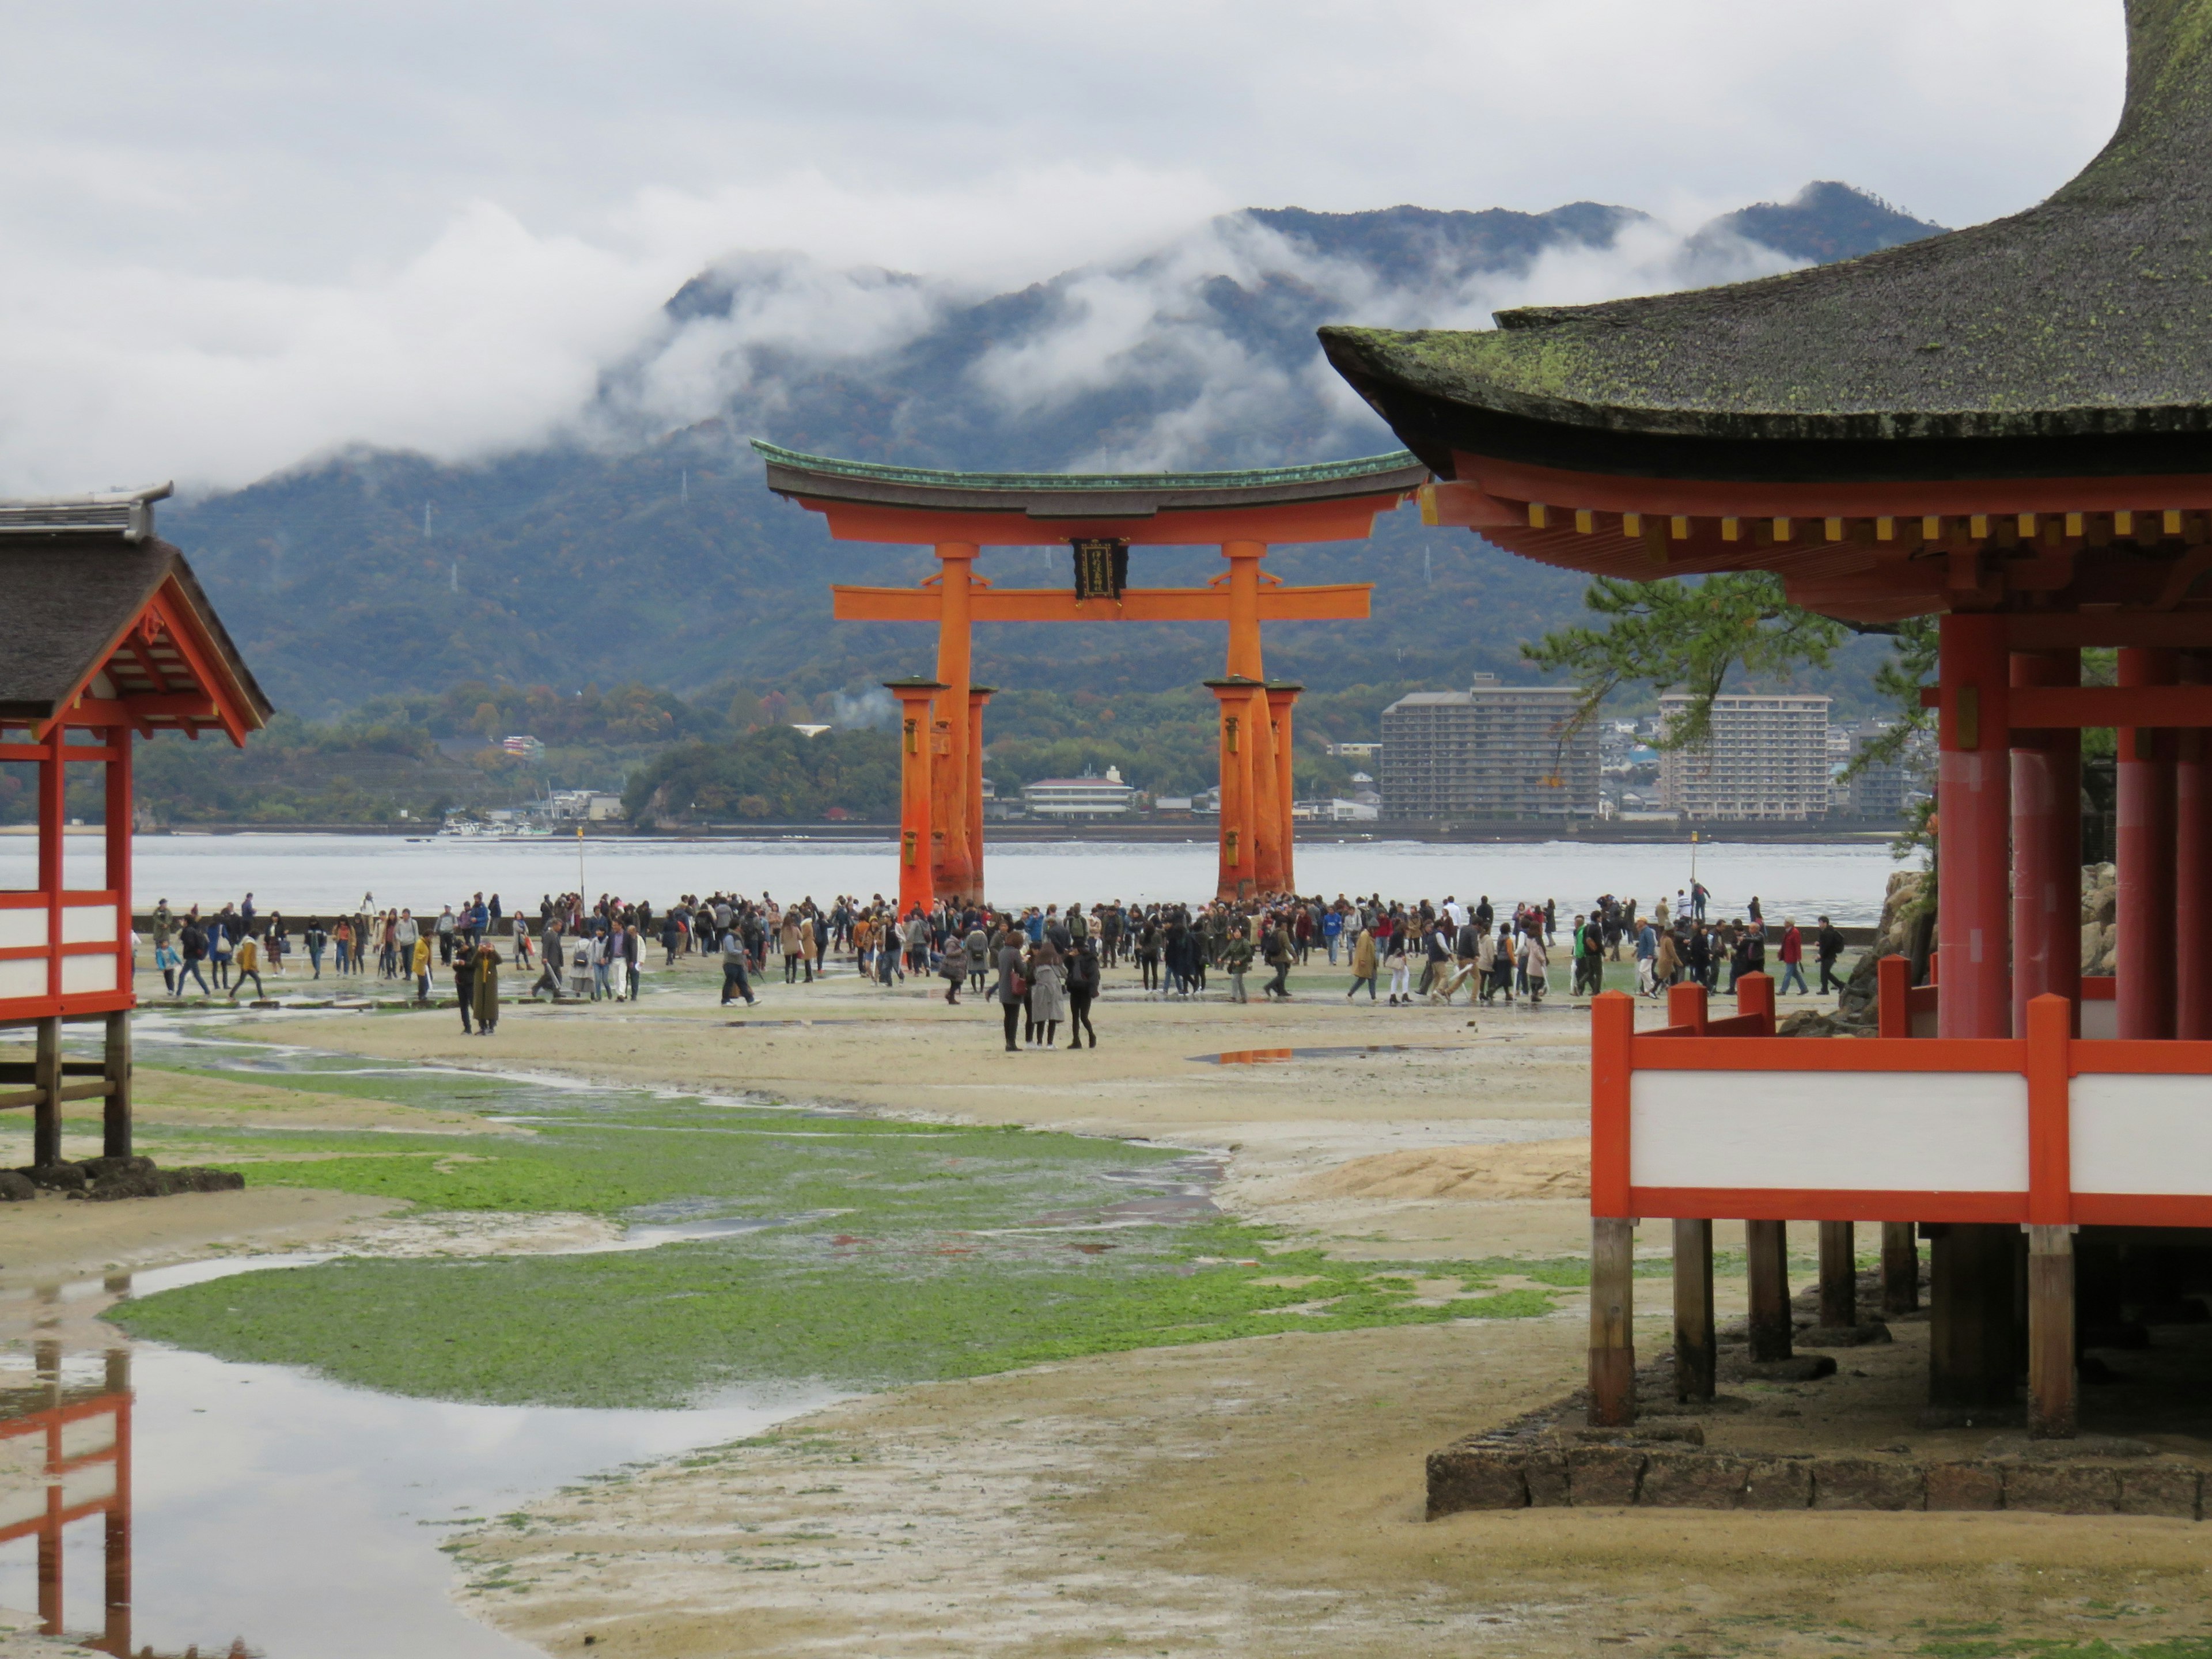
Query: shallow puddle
202,1501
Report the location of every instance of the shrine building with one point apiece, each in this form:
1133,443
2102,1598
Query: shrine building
2008,428
1099,518
105,637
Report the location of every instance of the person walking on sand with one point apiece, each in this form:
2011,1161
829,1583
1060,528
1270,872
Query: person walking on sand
1828,944
1363,964
954,970
248,966
422,961
734,969
1082,989
487,987
465,982
1792,952
1538,961
1236,960
1401,972
1047,993
1280,951
1012,989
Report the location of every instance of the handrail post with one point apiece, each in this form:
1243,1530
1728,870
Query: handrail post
1613,1232
1685,1005
1755,994
2052,1399
1893,1005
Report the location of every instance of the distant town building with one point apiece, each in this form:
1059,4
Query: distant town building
1079,797
1883,791
528,748
1366,751
584,806
1766,762
1492,752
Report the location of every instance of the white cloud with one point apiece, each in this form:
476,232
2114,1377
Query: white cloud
238,233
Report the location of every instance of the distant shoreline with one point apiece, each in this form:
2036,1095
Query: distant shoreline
1601,834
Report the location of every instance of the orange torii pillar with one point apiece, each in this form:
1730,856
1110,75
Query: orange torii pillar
977,696
1281,693
1237,879
1265,816
953,871
916,851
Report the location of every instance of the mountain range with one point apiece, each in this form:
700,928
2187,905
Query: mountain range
641,546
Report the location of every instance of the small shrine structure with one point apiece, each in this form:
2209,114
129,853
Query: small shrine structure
2008,427
1099,517
105,637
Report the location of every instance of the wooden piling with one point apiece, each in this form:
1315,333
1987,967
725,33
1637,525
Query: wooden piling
1973,1332
1900,1268
1839,1275
115,1137
1693,1310
46,1078
1613,1329
2053,1411
1766,1243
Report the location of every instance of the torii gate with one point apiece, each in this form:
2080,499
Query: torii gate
1100,517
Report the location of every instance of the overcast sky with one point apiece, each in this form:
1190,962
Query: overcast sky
233,236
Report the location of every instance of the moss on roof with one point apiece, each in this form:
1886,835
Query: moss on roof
1365,467
2088,315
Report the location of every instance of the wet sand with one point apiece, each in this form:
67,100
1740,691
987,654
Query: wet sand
1260,1497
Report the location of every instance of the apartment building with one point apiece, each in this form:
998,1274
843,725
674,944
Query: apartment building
1766,762
1492,752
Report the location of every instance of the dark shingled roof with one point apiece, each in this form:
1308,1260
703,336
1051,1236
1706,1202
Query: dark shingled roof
2075,337
69,596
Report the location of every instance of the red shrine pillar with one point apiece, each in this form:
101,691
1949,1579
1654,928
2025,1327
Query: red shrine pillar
1236,878
916,860
1974,1337
2046,844
2192,869
2146,923
977,696
953,871
1281,693
121,811
1974,805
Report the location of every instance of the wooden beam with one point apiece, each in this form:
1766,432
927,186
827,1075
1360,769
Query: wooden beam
1766,1243
1613,1322
1346,602
46,1127
1693,1311
1839,1276
1900,1267
115,1128
2058,630
2052,1411
2067,707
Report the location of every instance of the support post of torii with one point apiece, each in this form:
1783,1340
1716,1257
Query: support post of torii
917,851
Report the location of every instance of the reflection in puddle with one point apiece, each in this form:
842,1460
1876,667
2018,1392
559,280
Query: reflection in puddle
1283,1056
152,1496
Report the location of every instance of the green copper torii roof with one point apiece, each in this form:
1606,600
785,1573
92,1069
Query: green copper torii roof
2075,336
1371,472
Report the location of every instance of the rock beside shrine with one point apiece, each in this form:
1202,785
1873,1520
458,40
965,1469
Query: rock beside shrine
104,1178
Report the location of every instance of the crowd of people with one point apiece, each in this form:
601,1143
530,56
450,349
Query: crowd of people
1043,967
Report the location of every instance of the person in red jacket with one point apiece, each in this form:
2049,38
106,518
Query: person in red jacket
1793,958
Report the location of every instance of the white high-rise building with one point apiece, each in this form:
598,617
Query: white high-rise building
1493,752
1767,759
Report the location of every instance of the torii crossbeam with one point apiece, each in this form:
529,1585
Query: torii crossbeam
1101,517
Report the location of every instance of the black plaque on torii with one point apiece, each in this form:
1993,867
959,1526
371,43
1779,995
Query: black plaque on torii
1102,567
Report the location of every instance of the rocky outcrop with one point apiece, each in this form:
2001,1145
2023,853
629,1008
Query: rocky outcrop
104,1178
1907,929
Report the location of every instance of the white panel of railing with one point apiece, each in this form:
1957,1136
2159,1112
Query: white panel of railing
89,1434
2141,1133
1830,1131
84,924
25,976
88,973
20,928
